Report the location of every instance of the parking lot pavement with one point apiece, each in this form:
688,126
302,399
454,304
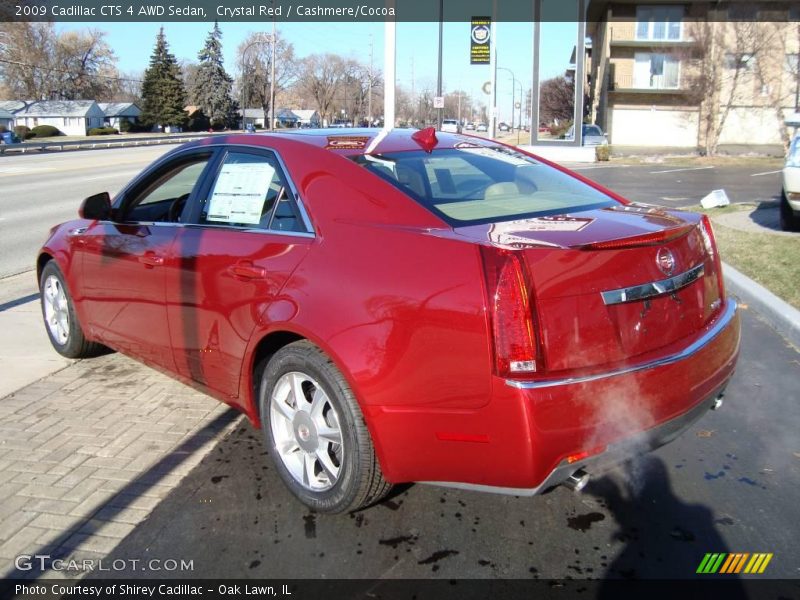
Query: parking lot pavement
87,452
679,185
729,484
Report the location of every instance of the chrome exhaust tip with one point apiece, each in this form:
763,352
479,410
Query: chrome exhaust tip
717,403
577,481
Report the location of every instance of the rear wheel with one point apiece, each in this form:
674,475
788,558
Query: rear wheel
789,220
316,432
60,320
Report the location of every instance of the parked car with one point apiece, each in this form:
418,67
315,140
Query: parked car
417,306
481,127
503,126
790,192
451,126
470,126
592,135
9,137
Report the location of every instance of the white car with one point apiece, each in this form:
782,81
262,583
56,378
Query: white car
790,194
482,127
451,126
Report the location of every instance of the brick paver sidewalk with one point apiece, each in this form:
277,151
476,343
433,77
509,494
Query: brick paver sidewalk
88,452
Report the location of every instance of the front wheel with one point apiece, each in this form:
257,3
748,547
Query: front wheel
60,320
789,220
316,432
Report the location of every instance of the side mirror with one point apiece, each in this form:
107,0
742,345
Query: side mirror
97,207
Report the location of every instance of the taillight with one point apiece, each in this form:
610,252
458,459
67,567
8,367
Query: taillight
711,249
510,303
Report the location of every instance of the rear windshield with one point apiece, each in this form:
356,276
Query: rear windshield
591,130
472,185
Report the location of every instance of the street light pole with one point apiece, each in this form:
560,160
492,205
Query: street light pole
263,38
272,80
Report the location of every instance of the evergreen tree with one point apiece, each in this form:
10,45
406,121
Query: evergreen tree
211,88
163,94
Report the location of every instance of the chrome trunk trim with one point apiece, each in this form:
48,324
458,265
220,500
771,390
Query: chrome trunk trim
654,288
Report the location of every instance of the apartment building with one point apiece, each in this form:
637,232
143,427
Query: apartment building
701,74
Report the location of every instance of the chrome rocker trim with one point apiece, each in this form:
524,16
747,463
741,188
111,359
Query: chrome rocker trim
722,322
654,288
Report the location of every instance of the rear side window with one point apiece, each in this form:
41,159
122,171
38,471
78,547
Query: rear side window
250,191
472,185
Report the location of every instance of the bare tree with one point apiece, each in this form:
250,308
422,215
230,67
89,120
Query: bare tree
557,100
39,63
321,76
255,68
732,65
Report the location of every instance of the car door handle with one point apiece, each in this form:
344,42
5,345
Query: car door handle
247,270
150,259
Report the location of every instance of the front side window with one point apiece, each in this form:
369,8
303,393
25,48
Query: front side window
250,191
483,184
162,196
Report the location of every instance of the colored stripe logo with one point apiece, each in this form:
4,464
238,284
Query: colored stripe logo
736,562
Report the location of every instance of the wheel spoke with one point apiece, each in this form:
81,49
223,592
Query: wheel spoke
318,401
308,469
331,470
289,446
330,434
281,405
297,391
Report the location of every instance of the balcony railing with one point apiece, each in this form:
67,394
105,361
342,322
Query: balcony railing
655,83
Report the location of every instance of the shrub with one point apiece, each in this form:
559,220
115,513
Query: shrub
41,131
22,132
125,126
103,131
3,129
602,153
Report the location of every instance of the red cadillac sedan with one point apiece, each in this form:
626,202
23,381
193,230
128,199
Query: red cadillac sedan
401,306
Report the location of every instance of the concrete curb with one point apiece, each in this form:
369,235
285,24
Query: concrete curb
784,318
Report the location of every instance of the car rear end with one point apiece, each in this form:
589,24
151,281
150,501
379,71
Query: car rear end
608,321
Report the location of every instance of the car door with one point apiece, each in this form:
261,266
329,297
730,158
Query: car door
123,259
247,232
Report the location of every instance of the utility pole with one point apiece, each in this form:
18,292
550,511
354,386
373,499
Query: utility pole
272,80
389,64
493,68
369,96
439,111
413,94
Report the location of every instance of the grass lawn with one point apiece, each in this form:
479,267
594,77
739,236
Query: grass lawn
771,260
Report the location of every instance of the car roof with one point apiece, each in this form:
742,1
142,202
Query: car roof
348,141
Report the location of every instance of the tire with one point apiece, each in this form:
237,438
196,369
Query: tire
60,320
327,476
789,220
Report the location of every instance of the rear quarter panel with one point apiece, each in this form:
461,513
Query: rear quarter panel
386,291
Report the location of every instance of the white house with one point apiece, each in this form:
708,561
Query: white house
72,117
256,116
116,112
308,118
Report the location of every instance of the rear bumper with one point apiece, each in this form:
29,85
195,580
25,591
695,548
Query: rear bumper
533,435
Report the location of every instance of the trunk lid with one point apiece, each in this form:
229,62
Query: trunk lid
612,284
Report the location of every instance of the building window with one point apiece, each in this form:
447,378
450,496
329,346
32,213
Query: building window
741,61
658,22
792,63
656,71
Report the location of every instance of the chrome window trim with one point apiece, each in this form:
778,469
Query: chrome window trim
654,288
310,231
722,322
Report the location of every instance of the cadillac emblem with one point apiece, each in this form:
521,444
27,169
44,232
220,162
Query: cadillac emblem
665,261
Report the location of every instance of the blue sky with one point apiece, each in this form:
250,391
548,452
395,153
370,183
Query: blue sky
133,44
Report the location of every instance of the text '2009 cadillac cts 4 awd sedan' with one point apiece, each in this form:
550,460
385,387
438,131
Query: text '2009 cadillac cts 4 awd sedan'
401,306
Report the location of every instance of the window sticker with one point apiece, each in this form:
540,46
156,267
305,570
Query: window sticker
499,154
240,193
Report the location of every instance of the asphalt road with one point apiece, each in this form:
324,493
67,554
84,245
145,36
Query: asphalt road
38,191
729,484
679,185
